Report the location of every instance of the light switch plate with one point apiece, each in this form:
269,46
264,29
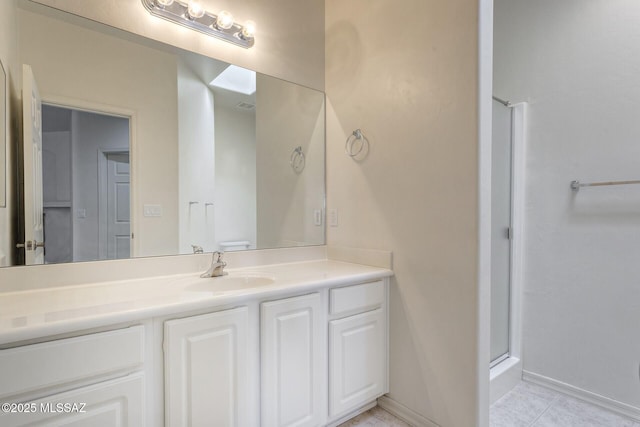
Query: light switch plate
81,213
153,211
333,217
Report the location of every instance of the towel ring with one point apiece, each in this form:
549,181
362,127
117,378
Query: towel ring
351,143
297,160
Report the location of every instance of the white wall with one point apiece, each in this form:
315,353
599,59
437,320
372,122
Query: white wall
288,116
578,64
86,66
235,201
413,92
91,133
197,161
289,36
57,185
8,54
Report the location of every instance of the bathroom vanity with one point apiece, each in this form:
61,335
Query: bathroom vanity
282,340
301,343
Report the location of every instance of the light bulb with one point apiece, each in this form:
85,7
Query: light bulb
164,3
249,30
195,9
224,20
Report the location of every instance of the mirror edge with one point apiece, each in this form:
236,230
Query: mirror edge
4,107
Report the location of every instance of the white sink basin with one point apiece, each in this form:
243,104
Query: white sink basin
231,282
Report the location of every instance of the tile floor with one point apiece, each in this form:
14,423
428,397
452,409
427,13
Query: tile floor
375,417
529,405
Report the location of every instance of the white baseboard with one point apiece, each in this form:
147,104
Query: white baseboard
590,397
399,410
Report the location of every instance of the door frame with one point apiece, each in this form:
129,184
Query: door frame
109,110
485,117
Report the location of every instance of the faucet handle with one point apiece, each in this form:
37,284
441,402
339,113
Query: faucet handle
218,256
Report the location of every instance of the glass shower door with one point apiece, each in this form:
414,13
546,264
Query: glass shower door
501,177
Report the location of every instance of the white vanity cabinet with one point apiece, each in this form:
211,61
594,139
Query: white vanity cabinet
344,329
310,351
357,347
206,370
293,353
95,379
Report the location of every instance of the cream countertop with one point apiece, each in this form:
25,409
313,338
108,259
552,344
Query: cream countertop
32,314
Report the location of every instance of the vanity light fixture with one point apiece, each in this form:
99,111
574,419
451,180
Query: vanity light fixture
192,14
224,20
194,10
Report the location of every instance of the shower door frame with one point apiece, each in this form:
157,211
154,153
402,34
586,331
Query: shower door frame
506,373
496,191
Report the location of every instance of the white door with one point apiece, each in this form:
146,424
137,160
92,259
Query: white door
206,365
118,402
293,373
357,360
117,206
32,149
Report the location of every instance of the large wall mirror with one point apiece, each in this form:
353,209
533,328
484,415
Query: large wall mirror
150,150
3,135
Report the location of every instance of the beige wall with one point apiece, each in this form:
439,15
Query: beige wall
8,48
405,72
289,36
89,67
288,116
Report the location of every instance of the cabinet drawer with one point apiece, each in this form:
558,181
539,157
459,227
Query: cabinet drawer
117,402
357,298
55,363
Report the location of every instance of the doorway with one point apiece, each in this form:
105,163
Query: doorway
86,184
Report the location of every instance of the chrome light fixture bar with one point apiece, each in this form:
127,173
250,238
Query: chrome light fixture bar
190,14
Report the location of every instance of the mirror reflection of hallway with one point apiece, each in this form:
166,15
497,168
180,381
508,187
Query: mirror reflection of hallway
86,185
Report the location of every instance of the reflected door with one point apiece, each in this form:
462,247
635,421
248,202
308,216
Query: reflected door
33,244
117,206
501,177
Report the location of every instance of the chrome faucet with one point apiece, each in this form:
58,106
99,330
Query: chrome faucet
217,266
197,249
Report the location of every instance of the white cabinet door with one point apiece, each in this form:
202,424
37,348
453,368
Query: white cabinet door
357,361
206,381
293,377
115,403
